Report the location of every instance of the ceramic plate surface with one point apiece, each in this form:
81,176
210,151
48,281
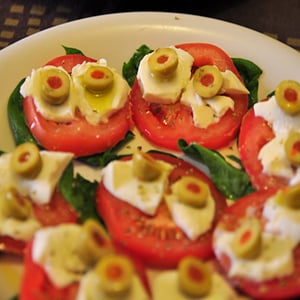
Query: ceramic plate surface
115,37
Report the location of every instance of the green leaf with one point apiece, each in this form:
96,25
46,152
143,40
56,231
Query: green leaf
130,68
250,73
102,159
16,117
233,182
70,50
79,193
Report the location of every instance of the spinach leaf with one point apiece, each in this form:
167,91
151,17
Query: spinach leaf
16,117
102,159
250,73
130,68
79,193
70,50
233,182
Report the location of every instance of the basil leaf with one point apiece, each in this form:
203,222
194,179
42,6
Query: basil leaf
130,68
233,182
79,193
16,117
70,50
250,73
102,159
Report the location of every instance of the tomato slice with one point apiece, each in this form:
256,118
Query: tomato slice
276,289
164,125
254,134
77,136
156,240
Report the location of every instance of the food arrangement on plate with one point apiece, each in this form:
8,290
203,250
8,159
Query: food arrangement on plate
153,225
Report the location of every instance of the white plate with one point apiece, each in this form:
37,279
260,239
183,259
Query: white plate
115,37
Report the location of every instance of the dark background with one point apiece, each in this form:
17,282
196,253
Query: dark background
277,18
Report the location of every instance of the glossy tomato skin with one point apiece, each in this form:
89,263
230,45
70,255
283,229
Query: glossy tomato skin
254,134
276,289
164,125
156,240
77,136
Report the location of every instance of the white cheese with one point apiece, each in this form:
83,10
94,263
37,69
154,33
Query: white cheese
232,84
40,188
60,113
120,181
205,111
272,154
282,220
99,107
193,221
166,90
57,249
90,289
165,286
275,260
18,229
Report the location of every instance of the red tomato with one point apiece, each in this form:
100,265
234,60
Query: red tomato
77,136
276,289
254,134
56,212
156,240
163,125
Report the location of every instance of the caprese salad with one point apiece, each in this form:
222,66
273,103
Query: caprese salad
73,103
191,91
169,231
257,243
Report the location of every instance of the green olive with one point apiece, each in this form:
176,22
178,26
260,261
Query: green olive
247,239
207,81
97,242
289,197
194,277
292,147
163,62
13,205
287,95
98,79
115,273
55,86
145,167
26,160
191,190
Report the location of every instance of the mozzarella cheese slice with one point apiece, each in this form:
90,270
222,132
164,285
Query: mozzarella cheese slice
282,220
165,286
193,221
275,259
99,107
57,250
89,289
120,181
40,188
167,90
32,87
